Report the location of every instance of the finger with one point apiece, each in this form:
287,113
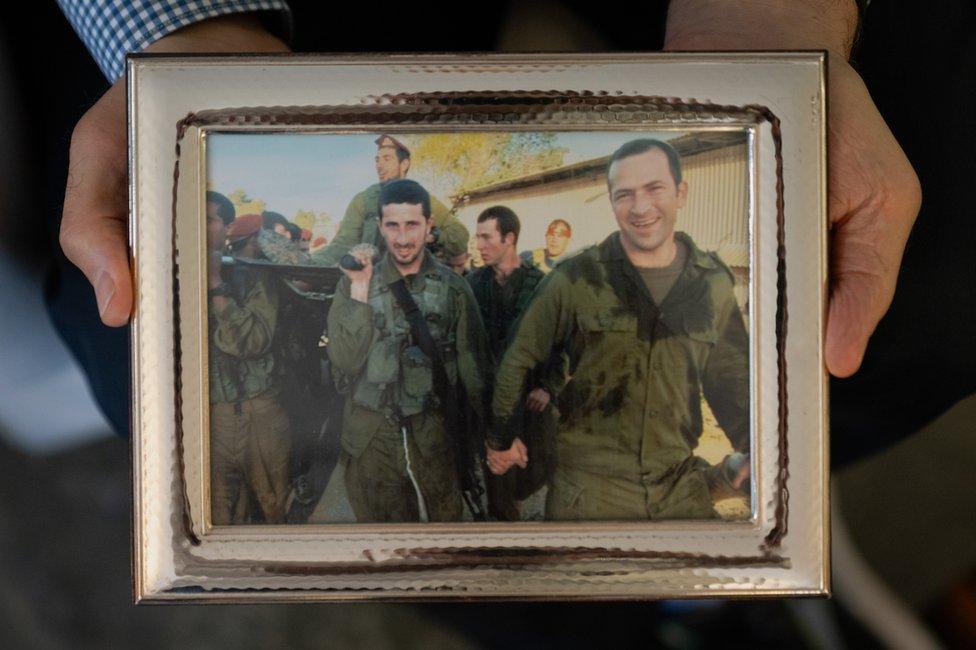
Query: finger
867,248
94,221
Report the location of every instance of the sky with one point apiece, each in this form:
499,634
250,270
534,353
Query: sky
322,172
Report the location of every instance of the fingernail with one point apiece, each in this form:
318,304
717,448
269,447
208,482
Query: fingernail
104,292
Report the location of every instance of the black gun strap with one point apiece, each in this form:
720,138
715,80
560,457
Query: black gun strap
422,337
471,490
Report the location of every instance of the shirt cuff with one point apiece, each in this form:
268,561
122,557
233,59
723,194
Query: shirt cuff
111,29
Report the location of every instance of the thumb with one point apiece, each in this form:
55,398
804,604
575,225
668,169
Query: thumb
94,221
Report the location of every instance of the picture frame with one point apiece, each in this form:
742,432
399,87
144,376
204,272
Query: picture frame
766,108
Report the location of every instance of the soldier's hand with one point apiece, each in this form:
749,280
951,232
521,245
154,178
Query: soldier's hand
359,289
537,400
500,462
94,221
742,476
874,192
214,261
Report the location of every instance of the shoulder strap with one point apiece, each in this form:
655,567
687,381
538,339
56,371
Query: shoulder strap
421,336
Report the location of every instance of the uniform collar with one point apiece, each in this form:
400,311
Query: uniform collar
611,249
390,273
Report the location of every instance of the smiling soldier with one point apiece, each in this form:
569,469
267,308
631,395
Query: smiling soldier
650,324
406,344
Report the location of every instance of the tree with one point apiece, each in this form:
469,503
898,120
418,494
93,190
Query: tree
244,204
450,164
304,219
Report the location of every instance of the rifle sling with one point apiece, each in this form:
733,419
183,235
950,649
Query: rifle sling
422,337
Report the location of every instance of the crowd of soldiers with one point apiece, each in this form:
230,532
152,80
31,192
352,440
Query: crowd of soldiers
463,392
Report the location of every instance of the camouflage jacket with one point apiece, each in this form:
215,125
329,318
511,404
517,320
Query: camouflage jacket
361,224
500,319
632,407
384,373
242,364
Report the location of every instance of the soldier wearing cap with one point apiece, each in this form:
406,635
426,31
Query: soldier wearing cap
249,431
361,221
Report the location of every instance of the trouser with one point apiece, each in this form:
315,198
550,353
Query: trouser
383,481
682,493
249,456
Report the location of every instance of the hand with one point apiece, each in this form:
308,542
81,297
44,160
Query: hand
873,201
537,400
740,478
94,222
359,280
214,259
874,192
500,462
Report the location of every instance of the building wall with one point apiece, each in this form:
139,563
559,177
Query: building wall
715,215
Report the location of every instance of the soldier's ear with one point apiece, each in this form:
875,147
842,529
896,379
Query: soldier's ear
404,166
682,193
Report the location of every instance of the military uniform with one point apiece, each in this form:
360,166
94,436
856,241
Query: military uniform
394,441
249,431
361,224
501,305
630,415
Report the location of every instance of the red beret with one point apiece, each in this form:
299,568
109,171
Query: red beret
386,140
244,226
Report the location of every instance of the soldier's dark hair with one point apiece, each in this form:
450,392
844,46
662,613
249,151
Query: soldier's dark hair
402,154
643,145
224,206
505,220
404,190
294,231
271,219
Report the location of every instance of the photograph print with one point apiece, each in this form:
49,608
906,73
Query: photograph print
479,326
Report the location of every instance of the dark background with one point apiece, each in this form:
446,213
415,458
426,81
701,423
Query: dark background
64,508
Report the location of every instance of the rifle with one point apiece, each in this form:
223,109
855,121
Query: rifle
322,279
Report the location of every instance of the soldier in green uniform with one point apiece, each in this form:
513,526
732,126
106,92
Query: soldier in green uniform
650,324
503,288
249,431
400,461
361,221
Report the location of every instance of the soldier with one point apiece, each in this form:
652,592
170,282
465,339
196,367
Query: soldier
558,235
503,288
361,221
405,340
650,323
249,430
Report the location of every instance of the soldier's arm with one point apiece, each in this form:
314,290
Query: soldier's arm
246,330
349,234
454,235
475,362
350,331
725,380
552,374
546,325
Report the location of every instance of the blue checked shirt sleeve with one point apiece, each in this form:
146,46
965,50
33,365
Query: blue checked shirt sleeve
112,28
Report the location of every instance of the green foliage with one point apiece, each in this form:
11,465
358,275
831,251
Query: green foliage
453,163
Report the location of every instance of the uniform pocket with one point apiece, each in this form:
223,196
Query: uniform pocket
381,366
418,378
564,500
